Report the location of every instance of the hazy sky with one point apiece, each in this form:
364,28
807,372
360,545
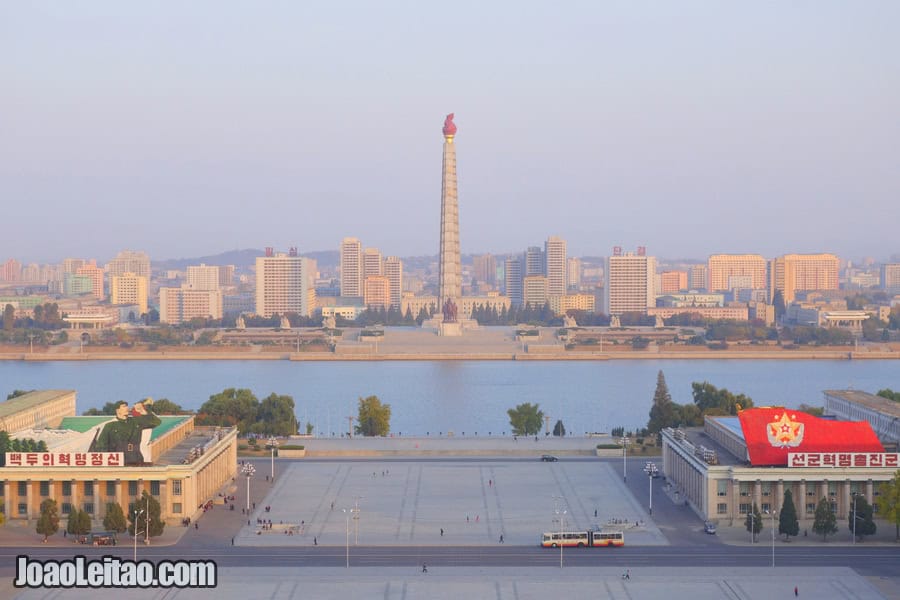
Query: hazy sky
189,128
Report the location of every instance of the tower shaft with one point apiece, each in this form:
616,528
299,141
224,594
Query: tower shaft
450,280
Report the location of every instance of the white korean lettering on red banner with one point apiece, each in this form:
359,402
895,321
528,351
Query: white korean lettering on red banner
843,459
65,459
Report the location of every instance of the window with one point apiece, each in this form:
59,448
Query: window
23,508
23,488
66,488
766,489
745,489
154,488
89,489
721,508
810,508
132,488
176,487
745,508
111,489
722,487
832,489
66,508
176,508
810,492
45,488
766,507
88,507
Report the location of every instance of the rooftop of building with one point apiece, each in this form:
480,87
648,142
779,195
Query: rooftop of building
85,423
191,447
870,401
698,438
30,400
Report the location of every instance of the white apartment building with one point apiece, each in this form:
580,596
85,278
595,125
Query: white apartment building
630,283
202,277
129,261
284,283
802,272
177,305
890,276
351,268
535,290
372,262
555,266
377,293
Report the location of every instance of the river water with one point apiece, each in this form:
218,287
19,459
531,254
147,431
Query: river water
465,397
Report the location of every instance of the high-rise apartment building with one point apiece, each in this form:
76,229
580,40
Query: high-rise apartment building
722,267
226,275
393,270
535,290
573,273
534,261
630,282
890,276
792,273
96,274
178,305
129,288
284,284
351,268
71,265
555,266
203,277
11,270
377,292
514,280
485,267
372,262
673,281
698,277
128,261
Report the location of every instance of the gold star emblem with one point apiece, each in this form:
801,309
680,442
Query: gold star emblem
785,432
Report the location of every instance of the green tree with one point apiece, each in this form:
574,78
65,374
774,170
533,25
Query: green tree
708,398
9,317
865,524
824,522
48,522
108,409
17,393
889,394
663,411
83,523
2,512
164,406
788,524
889,502
559,430
229,408
276,416
816,411
754,523
114,520
526,419
157,525
373,418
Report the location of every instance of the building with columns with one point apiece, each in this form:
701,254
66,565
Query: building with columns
188,467
722,469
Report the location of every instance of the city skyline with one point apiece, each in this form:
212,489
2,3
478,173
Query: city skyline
691,129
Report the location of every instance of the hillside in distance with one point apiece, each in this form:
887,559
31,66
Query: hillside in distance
241,259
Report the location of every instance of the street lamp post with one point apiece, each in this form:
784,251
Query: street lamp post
137,513
347,512
652,471
624,441
855,516
561,516
147,523
248,470
273,445
356,519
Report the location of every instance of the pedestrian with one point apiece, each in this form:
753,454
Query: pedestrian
424,568
232,541
467,518
442,532
501,538
595,513
476,518
254,506
196,525
796,591
315,541
332,506
64,533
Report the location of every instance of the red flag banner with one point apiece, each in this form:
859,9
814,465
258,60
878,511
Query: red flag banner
773,432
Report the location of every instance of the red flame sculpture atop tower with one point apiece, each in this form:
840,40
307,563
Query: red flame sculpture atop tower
449,126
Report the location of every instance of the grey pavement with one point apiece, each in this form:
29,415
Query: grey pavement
517,583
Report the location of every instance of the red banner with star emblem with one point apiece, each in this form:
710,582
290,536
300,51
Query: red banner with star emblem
772,433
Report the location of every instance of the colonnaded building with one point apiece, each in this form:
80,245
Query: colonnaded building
722,469
89,462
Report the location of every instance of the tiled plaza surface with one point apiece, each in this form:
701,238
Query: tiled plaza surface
409,503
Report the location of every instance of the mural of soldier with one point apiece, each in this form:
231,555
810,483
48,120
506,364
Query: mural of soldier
125,432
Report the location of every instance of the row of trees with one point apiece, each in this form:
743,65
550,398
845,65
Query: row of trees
79,521
824,520
274,415
708,400
528,418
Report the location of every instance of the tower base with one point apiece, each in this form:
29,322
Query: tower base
450,329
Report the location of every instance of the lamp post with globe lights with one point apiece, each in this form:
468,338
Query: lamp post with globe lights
652,471
273,445
248,470
624,441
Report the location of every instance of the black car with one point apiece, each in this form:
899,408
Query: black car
549,458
